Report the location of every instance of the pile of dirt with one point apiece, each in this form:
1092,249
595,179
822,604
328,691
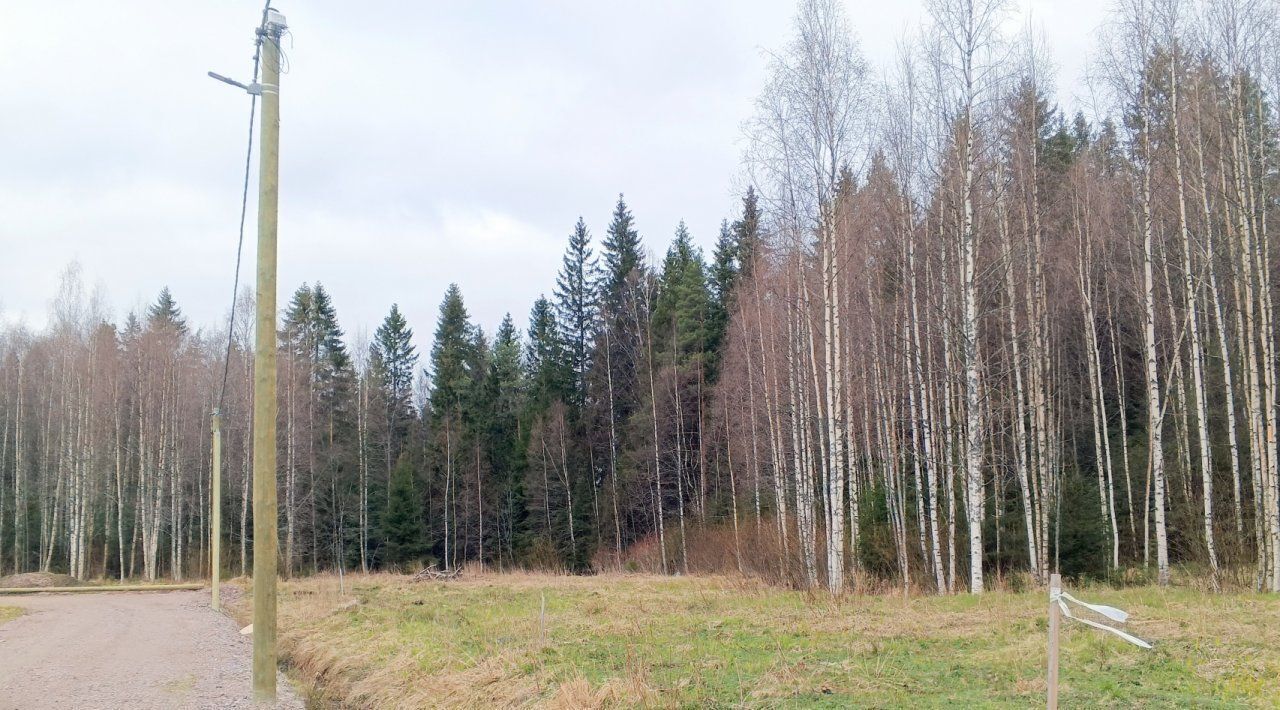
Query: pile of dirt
37,580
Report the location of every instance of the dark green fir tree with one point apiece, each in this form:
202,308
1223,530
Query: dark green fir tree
576,305
402,532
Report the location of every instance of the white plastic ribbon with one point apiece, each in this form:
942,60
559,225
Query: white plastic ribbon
1110,612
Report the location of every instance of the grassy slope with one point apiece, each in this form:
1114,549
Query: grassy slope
636,640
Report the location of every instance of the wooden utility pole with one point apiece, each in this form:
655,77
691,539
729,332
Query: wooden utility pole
1055,620
264,370
215,495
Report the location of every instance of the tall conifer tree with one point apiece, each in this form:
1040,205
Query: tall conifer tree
621,255
393,359
576,305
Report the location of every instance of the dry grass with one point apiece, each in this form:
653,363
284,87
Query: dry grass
9,613
621,640
38,580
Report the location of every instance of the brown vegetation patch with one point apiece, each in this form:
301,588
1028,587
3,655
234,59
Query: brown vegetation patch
38,580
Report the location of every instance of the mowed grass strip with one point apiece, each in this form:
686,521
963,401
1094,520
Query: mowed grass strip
631,640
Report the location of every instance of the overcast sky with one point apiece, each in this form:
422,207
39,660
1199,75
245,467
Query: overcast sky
422,142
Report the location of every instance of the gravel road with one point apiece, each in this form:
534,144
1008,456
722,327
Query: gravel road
138,650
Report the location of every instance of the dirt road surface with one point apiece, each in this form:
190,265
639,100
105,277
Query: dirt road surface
139,650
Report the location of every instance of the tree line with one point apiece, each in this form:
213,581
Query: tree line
950,334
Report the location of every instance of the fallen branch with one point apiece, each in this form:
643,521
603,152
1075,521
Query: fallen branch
431,574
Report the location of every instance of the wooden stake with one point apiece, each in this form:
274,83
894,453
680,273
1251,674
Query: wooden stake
215,543
1055,618
265,536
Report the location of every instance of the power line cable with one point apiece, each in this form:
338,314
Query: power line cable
244,208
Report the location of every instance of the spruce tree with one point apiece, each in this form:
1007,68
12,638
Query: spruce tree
456,371
622,313
680,317
164,314
617,365
746,232
505,376
576,304
311,333
401,529
503,400
334,391
724,263
297,326
452,354
333,362
621,255
723,279
395,356
546,364
316,381
393,359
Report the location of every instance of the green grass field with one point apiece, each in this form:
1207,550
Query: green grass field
624,641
